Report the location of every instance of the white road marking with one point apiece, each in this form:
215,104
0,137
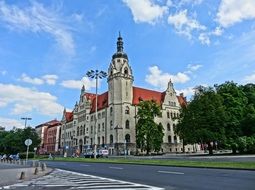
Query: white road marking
117,168
169,172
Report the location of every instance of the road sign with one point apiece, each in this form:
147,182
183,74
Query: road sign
28,142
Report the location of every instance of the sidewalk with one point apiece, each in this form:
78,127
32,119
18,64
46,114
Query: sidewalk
11,173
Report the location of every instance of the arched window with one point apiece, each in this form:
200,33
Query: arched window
127,124
99,128
168,127
80,130
84,128
111,139
127,138
127,110
168,115
126,71
169,139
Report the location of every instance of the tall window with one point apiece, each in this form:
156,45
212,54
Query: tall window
127,124
111,111
169,139
175,139
111,124
127,138
99,128
127,110
102,126
111,139
168,127
78,131
168,115
103,140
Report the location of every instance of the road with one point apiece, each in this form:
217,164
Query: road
166,177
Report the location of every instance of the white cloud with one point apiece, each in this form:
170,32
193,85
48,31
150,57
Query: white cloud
50,79
204,38
37,18
159,79
234,11
146,10
25,100
187,92
193,67
10,123
250,78
35,81
185,25
77,84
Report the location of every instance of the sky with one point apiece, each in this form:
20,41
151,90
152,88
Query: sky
46,48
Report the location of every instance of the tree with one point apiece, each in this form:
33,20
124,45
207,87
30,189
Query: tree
149,134
203,119
13,141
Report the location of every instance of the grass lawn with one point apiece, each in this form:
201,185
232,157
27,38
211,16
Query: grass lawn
184,163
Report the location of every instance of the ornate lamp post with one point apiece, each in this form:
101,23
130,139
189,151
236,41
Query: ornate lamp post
96,74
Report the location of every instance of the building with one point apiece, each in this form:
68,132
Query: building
117,109
49,134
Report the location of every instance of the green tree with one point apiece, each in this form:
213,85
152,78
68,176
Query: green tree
203,119
149,135
13,141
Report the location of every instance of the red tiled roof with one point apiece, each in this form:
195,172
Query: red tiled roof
53,122
145,94
182,101
69,116
102,101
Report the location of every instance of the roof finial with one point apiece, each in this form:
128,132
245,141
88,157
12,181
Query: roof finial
119,43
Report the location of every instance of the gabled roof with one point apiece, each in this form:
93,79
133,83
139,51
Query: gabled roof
140,94
102,101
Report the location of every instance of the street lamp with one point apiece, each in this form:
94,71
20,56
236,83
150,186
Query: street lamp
96,74
26,118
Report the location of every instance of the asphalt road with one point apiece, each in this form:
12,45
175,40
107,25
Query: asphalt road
166,177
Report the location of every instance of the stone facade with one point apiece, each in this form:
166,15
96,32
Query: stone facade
116,113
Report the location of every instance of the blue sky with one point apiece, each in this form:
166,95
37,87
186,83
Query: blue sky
46,47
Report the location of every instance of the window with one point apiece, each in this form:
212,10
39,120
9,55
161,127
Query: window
111,111
169,139
111,139
111,125
126,71
99,128
174,127
175,139
103,114
98,140
102,140
78,131
168,115
168,127
102,126
127,110
99,116
127,124
127,138
91,129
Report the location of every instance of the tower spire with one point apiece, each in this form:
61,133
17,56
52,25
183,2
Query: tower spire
119,43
